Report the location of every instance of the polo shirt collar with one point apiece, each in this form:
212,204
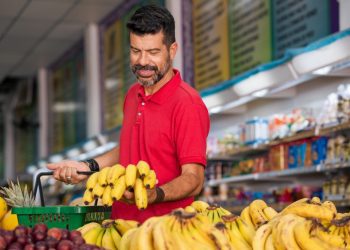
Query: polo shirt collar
165,91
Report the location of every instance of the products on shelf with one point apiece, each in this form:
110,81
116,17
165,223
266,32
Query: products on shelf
256,131
336,108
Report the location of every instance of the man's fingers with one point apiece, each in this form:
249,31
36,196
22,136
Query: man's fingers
128,195
53,166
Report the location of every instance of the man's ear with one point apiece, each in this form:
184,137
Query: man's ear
173,50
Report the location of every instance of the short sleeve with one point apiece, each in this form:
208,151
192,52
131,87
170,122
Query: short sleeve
191,131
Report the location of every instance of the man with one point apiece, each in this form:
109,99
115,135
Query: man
165,122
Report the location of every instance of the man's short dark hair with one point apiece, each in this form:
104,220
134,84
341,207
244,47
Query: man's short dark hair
150,19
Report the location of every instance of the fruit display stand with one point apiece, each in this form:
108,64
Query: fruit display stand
67,217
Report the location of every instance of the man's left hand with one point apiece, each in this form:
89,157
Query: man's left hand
129,197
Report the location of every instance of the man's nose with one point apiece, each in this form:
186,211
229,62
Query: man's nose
143,59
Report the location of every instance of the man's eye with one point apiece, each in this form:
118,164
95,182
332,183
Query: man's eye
153,52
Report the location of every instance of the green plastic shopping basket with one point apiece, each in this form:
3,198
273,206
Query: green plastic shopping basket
68,217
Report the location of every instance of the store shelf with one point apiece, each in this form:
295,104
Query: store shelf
288,173
246,150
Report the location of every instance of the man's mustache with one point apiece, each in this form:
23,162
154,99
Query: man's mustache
144,67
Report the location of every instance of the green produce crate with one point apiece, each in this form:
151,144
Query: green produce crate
68,217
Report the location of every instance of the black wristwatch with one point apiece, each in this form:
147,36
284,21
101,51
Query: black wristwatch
160,195
92,164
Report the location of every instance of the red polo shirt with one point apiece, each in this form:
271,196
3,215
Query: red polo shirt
167,129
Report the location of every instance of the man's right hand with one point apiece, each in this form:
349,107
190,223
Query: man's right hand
66,171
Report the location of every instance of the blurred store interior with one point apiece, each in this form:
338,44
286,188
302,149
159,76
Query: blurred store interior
274,74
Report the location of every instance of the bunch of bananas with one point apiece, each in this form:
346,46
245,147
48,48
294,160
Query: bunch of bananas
305,224
178,230
108,234
110,183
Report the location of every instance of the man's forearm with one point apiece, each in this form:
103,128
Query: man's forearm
181,187
108,159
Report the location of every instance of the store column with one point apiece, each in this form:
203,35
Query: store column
175,7
10,170
43,112
92,65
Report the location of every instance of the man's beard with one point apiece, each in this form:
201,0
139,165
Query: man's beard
159,73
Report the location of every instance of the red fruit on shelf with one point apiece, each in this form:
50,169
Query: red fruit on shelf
51,242
29,246
65,234
41,227
78,240
54,233
40,245
65,245
20,231
9,237
15,246
3,242
38,236
74,234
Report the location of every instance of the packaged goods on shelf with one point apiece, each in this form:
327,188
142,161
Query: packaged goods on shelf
336,108
256,131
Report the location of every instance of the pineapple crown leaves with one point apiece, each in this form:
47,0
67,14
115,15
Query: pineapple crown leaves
16,197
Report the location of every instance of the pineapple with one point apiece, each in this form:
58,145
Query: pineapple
16,197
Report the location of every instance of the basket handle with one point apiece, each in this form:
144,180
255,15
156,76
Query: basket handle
38,184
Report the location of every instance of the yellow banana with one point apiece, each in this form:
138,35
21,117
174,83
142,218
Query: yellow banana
213,233
130,176
256,212
310,210
222,211
190,209
269,243
119,188
192,239
140,192
116,237
88,227
246,230
100,237
261,236
276,234
245,215
143,169
97,191
182,242
107,223
162,236
316,200
288,223
88,197
102,177
324,235
123,226
91,181
115,172
212,213
305,240
144,238
106,197
330,205
200,206
150,180
126,239
269,212
107,241
91,235
132,223
236,239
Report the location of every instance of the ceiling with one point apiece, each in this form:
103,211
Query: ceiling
33,33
